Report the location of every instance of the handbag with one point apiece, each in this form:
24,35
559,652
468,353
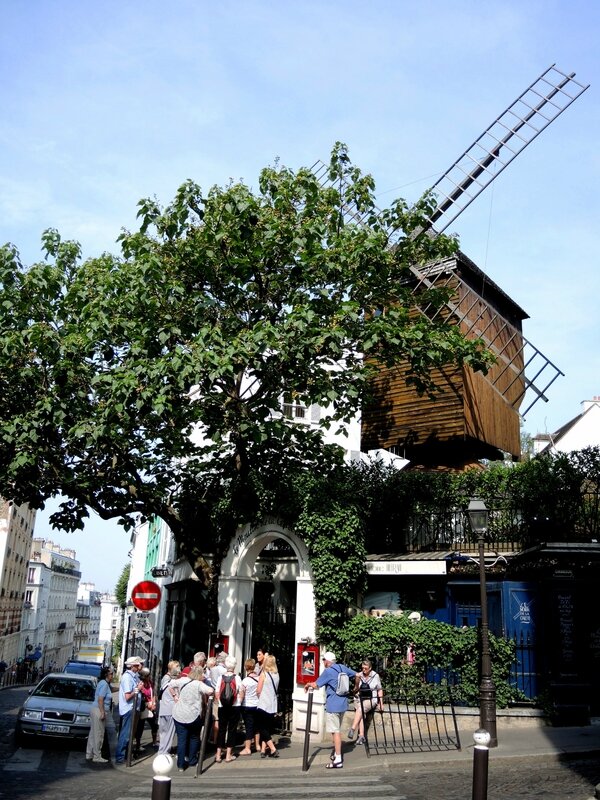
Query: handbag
151,702
146,714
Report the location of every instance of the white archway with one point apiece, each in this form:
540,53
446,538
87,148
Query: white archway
236,591
237,579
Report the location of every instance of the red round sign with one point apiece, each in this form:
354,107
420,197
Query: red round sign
145,595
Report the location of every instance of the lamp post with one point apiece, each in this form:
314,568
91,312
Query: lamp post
478,517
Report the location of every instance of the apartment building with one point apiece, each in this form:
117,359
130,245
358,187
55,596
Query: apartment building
16,531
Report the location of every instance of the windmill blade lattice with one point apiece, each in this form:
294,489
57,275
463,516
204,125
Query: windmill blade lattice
523,121
511,381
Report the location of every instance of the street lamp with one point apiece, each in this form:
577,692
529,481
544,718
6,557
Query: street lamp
478,517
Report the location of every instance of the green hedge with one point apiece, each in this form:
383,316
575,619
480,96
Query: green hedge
439,648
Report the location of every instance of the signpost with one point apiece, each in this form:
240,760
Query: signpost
145,595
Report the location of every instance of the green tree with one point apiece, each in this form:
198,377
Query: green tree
121,586
148,382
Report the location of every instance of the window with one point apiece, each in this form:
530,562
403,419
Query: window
291,408
31,575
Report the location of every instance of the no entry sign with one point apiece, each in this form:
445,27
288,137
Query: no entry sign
145,595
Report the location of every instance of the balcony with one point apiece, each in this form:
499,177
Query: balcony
430,529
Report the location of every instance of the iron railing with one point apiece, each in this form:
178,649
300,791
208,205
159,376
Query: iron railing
510,529
410,725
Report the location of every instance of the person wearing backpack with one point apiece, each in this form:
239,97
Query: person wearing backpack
229,694
336,680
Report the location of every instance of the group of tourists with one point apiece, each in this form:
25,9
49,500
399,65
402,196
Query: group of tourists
179,707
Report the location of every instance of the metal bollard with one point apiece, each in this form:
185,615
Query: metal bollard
161,783
307,731
206,730
481,753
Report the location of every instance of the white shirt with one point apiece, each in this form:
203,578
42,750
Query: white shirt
250,683
189,703
268,694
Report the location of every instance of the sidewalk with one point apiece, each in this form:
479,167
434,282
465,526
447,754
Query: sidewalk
540,742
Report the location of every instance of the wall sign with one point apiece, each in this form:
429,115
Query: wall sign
307,662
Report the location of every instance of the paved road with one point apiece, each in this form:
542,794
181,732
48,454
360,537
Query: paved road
55,774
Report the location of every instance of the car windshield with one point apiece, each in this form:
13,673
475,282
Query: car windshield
66,688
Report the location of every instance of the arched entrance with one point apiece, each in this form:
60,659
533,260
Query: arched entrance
267,571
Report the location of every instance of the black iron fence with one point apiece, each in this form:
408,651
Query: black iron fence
283,718
19,675
410,725
450,529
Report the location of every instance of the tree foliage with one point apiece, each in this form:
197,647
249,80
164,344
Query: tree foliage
149,382
121,586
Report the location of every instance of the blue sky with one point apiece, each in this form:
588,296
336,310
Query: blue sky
108,102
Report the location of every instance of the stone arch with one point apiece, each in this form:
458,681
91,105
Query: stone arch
237,580
236,590
248,543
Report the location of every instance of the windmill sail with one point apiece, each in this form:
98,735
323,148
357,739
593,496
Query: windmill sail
510,133
522,122
512,380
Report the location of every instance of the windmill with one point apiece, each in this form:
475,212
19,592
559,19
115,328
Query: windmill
476,415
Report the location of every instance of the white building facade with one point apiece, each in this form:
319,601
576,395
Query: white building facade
578,433
265,565
64,577
16,531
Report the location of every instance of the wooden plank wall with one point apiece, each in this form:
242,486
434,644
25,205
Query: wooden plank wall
468,408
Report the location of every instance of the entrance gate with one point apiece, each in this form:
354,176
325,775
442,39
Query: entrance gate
273,627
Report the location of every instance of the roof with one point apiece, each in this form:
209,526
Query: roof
554,438
458,260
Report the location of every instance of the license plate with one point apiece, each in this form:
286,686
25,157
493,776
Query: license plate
47,728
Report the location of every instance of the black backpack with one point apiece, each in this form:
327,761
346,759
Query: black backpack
228,690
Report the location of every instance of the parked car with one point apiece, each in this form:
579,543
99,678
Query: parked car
89,668
59,706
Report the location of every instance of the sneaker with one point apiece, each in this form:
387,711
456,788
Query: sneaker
100,760
360,740
351,733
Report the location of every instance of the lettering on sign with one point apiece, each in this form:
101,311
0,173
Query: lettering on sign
406,567
242,538
566,626
143,620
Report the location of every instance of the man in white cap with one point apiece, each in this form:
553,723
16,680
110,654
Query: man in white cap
129,688
335,705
